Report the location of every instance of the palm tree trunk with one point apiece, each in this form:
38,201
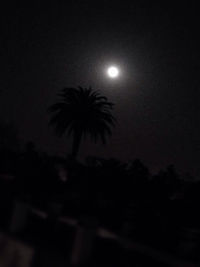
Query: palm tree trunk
76,144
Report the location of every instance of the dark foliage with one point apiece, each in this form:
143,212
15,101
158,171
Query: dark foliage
80,112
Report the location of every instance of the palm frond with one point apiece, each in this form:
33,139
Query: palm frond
84,110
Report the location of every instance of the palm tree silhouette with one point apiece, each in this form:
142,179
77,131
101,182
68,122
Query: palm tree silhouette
81,112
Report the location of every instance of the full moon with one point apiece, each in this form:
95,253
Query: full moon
113,72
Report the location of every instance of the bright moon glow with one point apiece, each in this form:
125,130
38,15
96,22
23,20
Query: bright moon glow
113,72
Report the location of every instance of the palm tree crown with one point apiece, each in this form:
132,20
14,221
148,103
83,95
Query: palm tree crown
81,112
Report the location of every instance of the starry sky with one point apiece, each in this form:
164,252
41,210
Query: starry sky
46,48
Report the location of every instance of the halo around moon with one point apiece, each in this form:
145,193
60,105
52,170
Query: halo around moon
113,72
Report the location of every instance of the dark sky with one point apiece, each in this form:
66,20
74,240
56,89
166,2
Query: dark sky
45,48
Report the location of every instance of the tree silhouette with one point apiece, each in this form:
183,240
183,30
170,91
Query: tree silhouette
81,112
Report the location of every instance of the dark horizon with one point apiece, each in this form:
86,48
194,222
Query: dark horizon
47,48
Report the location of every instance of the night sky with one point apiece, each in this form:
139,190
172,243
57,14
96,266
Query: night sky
46,48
